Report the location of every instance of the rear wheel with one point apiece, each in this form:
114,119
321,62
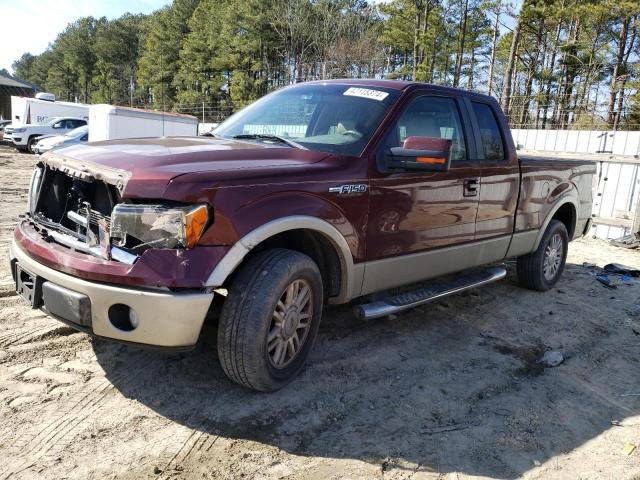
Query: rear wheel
270,319
541,269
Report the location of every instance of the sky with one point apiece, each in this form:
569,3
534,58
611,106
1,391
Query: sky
30,25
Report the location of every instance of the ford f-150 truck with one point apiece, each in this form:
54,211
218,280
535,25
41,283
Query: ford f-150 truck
320,193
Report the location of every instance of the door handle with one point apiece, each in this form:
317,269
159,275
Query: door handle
470,187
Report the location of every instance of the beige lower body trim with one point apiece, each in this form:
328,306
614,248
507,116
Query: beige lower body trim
394,272
522,243
165,319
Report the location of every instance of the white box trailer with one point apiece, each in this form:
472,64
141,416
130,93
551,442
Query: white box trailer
25,110
107,122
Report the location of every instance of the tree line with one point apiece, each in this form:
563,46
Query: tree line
551,64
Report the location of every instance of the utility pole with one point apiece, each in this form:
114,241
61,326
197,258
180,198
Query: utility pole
162,91
131,91
493,47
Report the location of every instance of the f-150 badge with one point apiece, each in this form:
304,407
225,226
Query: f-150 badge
351,189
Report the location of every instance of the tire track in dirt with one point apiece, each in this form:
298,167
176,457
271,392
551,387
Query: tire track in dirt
195,442
91,399
57,434
10,338
36,334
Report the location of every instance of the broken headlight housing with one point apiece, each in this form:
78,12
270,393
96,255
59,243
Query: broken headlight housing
138,227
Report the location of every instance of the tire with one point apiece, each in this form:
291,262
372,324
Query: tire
258,305
31,143
533,270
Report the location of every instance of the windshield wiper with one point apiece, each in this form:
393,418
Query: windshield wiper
266,136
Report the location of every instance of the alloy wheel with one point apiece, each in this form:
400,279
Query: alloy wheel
553,257
290,323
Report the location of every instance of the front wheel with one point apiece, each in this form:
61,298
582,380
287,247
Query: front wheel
31,144
270,319
541,269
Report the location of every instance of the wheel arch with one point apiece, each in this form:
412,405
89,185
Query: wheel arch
273,233
566,211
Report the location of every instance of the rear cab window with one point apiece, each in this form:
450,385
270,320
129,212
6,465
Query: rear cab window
490,133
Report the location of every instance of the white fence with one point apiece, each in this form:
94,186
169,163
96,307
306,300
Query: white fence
615,199
579,141
617,188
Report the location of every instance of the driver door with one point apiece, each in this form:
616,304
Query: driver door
420,221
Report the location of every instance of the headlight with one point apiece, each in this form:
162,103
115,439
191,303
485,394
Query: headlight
157,226
19,130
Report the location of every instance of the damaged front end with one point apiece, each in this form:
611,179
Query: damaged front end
80,206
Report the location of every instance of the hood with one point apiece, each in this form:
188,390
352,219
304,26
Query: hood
143,167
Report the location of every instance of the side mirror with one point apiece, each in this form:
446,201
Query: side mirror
422,153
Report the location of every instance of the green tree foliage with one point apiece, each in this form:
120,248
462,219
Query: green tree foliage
117,48
76,47
23,67
159,61
552,63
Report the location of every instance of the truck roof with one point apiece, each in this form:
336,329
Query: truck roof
396,85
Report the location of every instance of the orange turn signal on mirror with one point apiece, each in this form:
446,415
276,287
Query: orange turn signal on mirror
438,161
195,221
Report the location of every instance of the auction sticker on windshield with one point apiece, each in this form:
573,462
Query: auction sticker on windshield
366,93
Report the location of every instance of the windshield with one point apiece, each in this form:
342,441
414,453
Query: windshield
77,132
328,118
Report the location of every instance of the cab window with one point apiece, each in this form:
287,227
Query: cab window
435,117
489,131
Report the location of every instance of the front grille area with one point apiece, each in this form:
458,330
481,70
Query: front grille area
60,194
72,211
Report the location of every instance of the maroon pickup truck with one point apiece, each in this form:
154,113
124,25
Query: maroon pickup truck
322,192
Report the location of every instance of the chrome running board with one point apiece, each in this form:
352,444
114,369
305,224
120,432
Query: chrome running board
406,300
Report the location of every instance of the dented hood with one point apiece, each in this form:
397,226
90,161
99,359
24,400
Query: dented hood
143,167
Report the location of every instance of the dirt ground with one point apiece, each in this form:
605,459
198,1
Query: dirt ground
449,390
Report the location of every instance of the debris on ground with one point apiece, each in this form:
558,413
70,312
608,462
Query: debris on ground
619,269
628,448
551,358
622,274
628,241
606,281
